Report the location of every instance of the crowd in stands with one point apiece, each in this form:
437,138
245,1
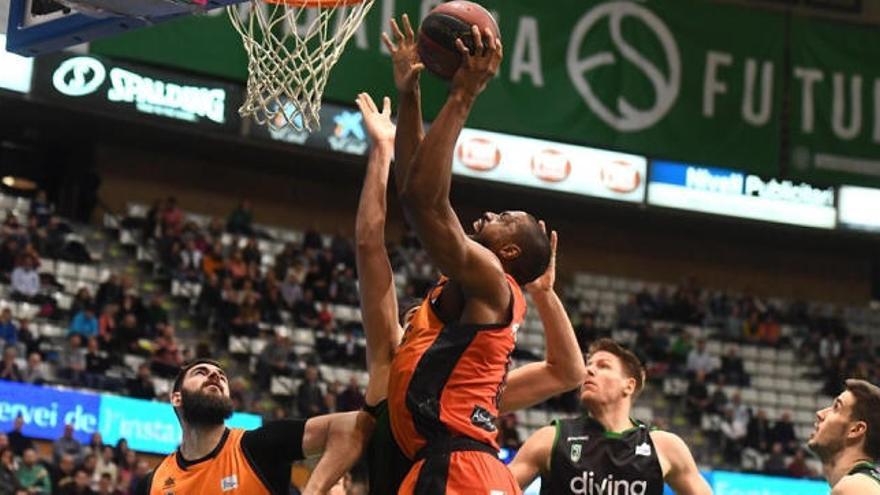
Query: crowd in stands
247,290
71,468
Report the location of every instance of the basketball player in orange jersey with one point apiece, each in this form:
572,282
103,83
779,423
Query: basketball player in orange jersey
449,372
215,460
561,370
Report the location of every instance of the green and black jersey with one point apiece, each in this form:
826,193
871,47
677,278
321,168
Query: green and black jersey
869,469
387,466
587,460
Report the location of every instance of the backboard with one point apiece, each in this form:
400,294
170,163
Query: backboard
41,26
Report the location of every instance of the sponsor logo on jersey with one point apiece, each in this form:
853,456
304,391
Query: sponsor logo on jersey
643,449
589,484
229,483
576,450
483,419
582,438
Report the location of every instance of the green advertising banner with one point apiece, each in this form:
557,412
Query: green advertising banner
835,98
678,79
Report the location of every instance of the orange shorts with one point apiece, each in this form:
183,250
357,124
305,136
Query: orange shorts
460,473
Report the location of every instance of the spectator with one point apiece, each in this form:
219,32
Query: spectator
798,467
97,363
18,441
8,330
167,357
9,252
758,435
8,480
107,485
141,387
783,433
775,464
25,280
310,397
109,292
248,318
72,362
733,432
351,399
141,470
126,470
9,369
190,262
291,290
212,260
84,323
107,323
80,485
96,444
274,359
67,444
32,476
34,372
155,313
127,336
330,397
630,315
83,299
240,221
105,465
508,436
171,217
63,473
121,454
697,398
733,370
680,349
41,208
769,330
699,359
741,412
304,312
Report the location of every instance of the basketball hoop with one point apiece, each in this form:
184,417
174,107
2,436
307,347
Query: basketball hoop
292,45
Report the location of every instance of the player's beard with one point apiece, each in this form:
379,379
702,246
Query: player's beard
202,409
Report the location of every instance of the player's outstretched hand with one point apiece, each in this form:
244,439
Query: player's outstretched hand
404,55
479,67
545,282
379,126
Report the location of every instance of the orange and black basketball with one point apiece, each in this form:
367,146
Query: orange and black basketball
446,23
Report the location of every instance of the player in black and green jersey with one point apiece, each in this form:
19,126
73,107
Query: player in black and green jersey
605,451
847,440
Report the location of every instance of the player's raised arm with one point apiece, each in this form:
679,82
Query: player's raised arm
424,193
681,474
563,367
533,458
377,291
407,68
339,439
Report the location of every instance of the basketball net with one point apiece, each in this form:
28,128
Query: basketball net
291,46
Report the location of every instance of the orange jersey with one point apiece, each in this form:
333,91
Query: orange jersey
225,472
446,379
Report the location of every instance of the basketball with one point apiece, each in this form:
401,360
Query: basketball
443,26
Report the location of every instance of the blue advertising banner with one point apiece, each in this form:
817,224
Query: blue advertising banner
739,194
147,426
726,483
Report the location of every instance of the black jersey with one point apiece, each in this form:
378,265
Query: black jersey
869,469
386,464
587,460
